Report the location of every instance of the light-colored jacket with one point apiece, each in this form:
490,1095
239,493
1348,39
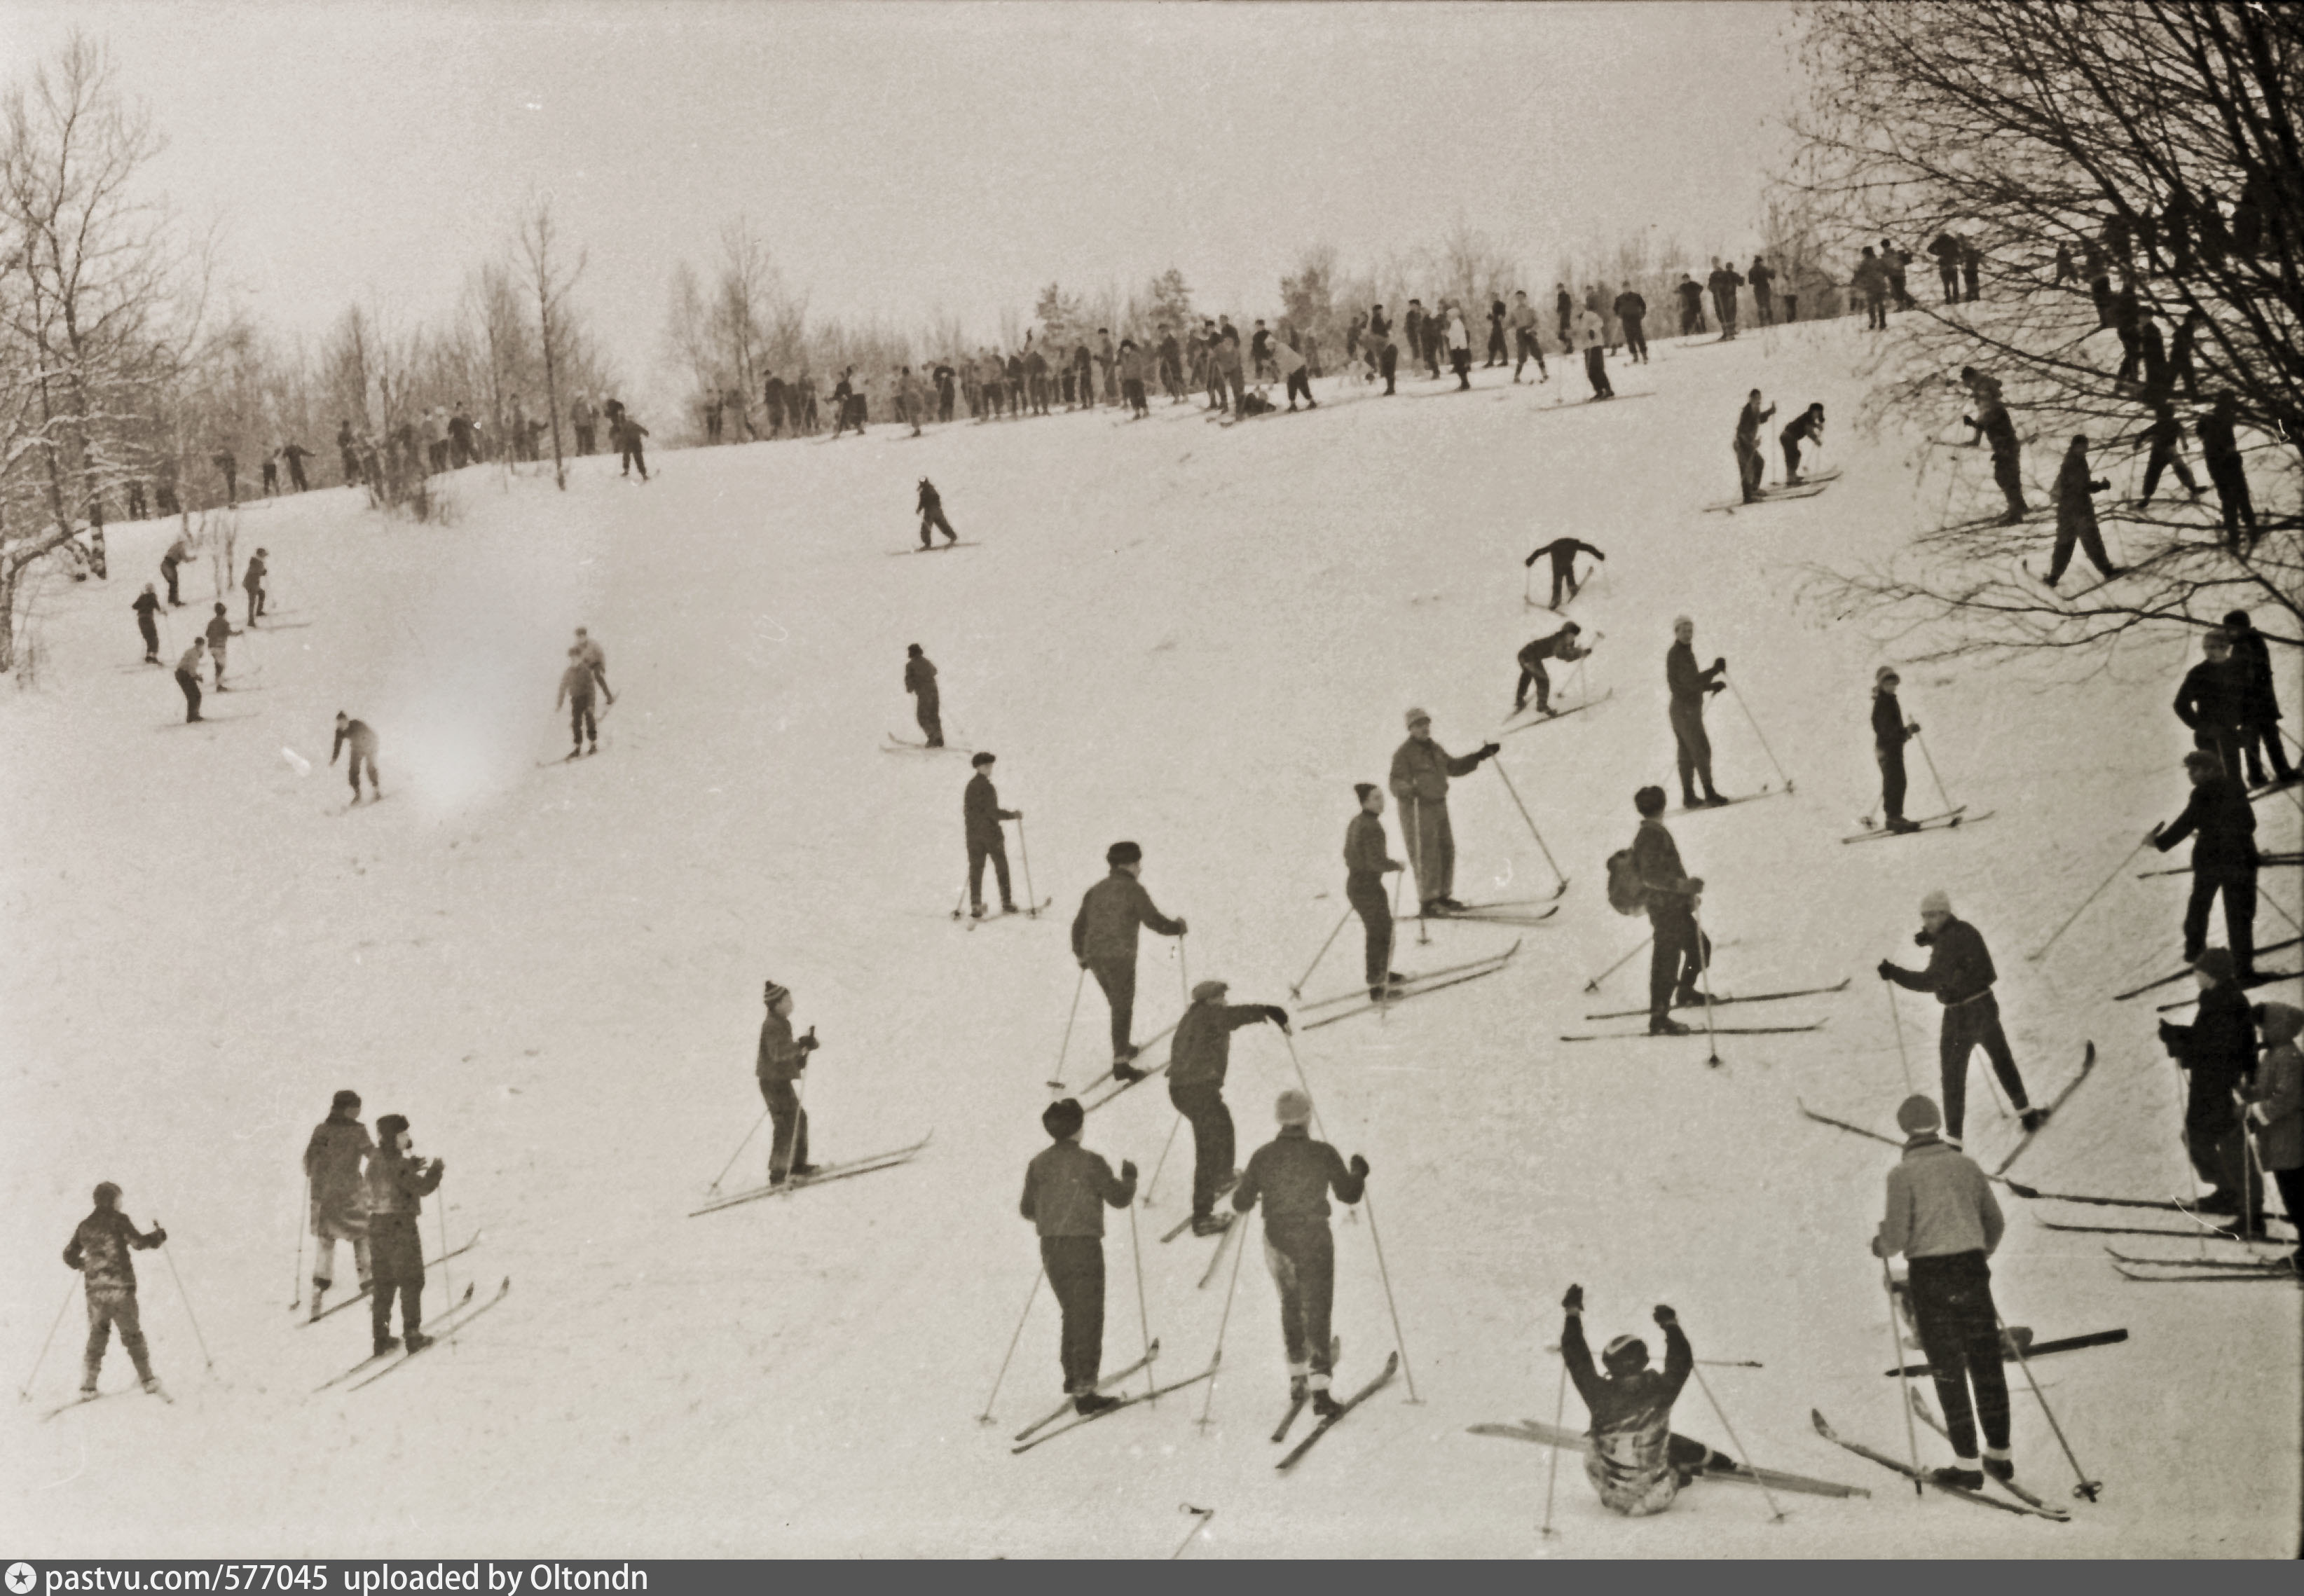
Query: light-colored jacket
1939,1203
2279,1091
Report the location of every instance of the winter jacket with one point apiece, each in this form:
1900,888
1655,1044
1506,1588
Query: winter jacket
1887,721
145,606
2259,700
1366,856
1562,552
1804,427
1688,684
1960,965
2213,696
356,733
1939,1203
1067,1188
2219,1048
1560,646
99,1248
1691,292
920,679
930,500
2278,1120
1285,357
398,1184
575,682
1759,278
1870,279
1590,331
1109,914
1293,1174
253,579
1458,335
1655,860
2223,822
780,1059
980,811
1748,422
1632,1416
1201,1052
2073,486
1630,304
333,1158
1420,769
219,633
1997,428
190,665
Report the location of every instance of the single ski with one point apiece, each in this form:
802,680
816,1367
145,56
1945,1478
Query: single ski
447,1333
1125,1402
860,1166
1393,997
1359,994
1931,1481
905,745
1106,1384
2149,1231
1697,1032
1495,916
1032,913
964,543
2137,992
1768,495
1383,1377
1935,822
1757,997
361,1295
1158,1037
2286,1273
2087,1062
1561,714
2262,861
1216,1252
2261,979
1296,1404
1843,1125
1770,790
84,1398
1182,1225
370,1362
2228,1231
1539,1433
2032,1349
2021,1190
2277,1264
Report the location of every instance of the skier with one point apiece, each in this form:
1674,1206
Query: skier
1103,941
1293,1175
223,462
576,693
1723,281
1592,335
585,416
2220,453
2076,513
1388,350
1562,551
147,608
595,661
179,554
220,631
1889,731
921,682
1807,427
1198,1059
1559,646
251,582
1368,860
1763,281
335,1193
1749,466
1564,307
1869,281
2259,725
1420,769
908,399
187,677
1691,305
1066,1190
1960,973
348,451
2218,1052
2221,822
2167,437
295,453
781,1060
1942,1217
1688,687
1945,248
1635,1462
1528,346
628,432
1992,420
1293,368
1460,347
397,1186
2275,1109
1499,353
2212,700
1631,309
1679,952
99,1248
363,745
980,817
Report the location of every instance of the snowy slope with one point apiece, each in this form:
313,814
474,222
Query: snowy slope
1195,637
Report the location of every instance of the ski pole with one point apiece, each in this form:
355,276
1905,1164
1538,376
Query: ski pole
733,1157
1024,847
1200,1516
986,1416
447,1279
1594,984
1742,1456
1896,1355
1183,971
1065,1047
1933,772
960,902
187,1296
1231,1286
2034,957
1173,1126
2086,1489
1770,752
1896,1021
297,1301
1143,1315
1704,972
1297,991
24,1392
1531,823
1559,1413
1416,863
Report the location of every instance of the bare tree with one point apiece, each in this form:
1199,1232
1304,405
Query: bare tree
551,274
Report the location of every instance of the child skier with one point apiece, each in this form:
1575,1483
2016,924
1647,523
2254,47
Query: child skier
338,1196
99,1248
781,1060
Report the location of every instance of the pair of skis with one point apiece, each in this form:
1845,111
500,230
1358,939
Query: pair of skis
1438,981
905,745
453,1323
1538,1432
1032,912
2168,1271
1518,911
1926,1415
1946,821
823,1175
1546,717
85,1397
2024,1503
1106,1384
362,1294
1757,997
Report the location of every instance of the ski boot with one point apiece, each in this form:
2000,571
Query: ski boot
1449,905
1211,1224
1899,826
1999,1465
1664,1025
151,1384
1007,909
802,1171
2032,1118
1958,1479
1325,1404
1093,1402
384,1344
1687,996
320,1289
1123,1066
976,911
417,1341
1299,1388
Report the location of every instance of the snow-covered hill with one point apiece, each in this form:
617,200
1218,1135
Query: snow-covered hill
1192,636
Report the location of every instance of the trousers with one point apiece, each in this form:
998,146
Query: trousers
1678,955
395,1266
995,850
581,725
2239,889
192,687
1695,749
927,709
2220,1157
1951,1299
1203,1104
1075,1266
1117,976
1431,849
1367,901
108,1305
789,1147
1891,780
1636,341
1966,1026
1301,1254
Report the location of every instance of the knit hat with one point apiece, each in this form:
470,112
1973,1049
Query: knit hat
1649,800
2237,620
1062,1117
1205,991
1360,789
1294,1107
1415,715
2216,964
913,648
2215,636
770,992
390,1127
106,1193
1936,903
985,758
1625,1355
1885,674
1679,621
2202,759
1918,1114
1123,853
344,1100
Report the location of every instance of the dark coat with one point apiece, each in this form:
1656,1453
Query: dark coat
1960,965
1366,855
1201,1053
99,1248
980,810
1293,1174
333,1158
2218,1049
1689,685
2223,822
1067,1188
1109,914
1888,721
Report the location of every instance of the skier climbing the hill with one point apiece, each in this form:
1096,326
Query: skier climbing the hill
220,633
778,1066
1679,952
1591,337
628,434
1066,1190
980,817
927,709
2259,725
1293,1175
1103,941
1993,421
1559,646
251,582
1562,551
1807,427
147,608
2076,514
576,693
1527,345
2212,700
2221,823
336,1193
1420,769
1889,731
595,661
1749,466
1688,686
2217,1053
1368,860
1960,973
98,1249
187,677
1942,1217
1636,1463
1199,1058
362,742
397,1185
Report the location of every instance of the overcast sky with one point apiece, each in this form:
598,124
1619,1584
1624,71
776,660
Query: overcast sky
903,159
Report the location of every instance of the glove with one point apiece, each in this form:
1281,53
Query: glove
159,1235
1716,687
1695,885
1887,971
1276,1015
1573,1303
1720,666
808,1043
1879,1247
1922,939
1664,1316
1083,964
1530,560
1181,927
2154,834
1360,1166
1912,729
1126,1170
1490,751
439,1166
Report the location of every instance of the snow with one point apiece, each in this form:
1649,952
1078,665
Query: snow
1192,636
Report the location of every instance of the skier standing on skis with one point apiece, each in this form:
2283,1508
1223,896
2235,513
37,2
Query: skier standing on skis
397,1186
188,677
1103,941
1631,308
99,1248
2212,700
1889,731
1960,973
1293,1175
2219,453
1066,1190
1368,860
1562,551
980,817
2260,722
1635,1462
1942,1217
1750,464
1591,337
2076,514
251,582
931,509
220,633
2217,1053
1198,1059
927,707
1460,347
2275,1109
1807,427
1679,952
576,693
147,606
2221,823
336,1193
1689,687
1420,769
1559,646
1992,420
1527,345
778,1066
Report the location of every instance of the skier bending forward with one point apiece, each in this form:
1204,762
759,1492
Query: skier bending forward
1635,1462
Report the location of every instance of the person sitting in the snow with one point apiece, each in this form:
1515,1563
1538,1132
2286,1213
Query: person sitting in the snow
1635,1462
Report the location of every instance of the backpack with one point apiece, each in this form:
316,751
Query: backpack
1626,894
